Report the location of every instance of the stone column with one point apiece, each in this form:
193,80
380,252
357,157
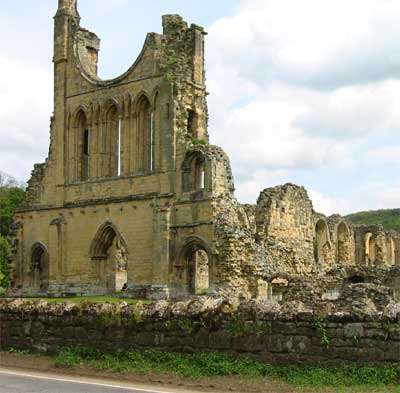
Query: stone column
56,252
161,251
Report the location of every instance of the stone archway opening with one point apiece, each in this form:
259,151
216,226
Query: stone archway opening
370,249
194,173
391,251
109,249
321,242
343,243
192,273
40,267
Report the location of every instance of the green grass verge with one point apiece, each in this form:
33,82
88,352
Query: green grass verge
342,378
92,299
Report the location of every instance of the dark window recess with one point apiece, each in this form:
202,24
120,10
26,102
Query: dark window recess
191,117
86,143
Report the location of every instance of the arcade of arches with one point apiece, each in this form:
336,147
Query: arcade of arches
107,144
134,196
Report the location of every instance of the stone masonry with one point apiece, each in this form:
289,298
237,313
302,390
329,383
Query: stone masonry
263,330
133,196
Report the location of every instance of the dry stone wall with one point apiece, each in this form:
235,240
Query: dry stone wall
262,330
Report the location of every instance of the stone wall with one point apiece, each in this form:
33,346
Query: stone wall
266,331
375,246
132,180
284,220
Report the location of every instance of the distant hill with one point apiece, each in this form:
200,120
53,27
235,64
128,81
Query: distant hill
389,218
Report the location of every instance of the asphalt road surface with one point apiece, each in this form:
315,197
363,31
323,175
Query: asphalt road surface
32,382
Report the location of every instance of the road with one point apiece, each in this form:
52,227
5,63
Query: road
12,381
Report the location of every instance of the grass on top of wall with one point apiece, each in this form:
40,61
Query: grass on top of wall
348,378
90,299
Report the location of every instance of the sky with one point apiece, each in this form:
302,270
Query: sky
301,91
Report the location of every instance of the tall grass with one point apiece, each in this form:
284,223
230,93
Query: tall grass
218,365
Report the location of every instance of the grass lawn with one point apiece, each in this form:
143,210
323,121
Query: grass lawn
93,299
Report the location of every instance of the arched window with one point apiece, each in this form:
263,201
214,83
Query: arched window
112,142
370,252
145,121
40,267
343,243
321,242
194,176
82,147
109,250
391,252
156,133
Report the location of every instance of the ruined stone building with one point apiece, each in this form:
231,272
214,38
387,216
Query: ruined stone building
133,195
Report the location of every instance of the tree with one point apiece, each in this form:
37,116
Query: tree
11,194
7,181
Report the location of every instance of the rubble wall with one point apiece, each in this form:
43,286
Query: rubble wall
284,221
265,331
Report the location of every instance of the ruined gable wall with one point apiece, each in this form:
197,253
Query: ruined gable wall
284,220
170,73
242,262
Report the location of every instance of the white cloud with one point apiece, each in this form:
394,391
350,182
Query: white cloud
328,206
26,102
301,87
312,42
385,155
390,197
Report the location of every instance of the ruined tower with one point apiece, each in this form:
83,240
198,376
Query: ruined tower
133,196
125,196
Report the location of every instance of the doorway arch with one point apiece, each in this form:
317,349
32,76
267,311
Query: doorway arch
110,251
192,270
40,266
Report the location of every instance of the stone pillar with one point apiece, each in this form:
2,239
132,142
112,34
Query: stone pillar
161,250
56,250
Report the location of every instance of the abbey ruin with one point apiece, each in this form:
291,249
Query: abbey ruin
133,196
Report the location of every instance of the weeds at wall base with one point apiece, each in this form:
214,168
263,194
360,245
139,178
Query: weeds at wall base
206,365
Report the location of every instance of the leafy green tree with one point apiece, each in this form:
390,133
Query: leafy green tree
389,218
11,194
10,197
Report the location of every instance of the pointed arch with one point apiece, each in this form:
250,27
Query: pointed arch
321,242
77,112
370,249
103,240
111,139
144,128
110,251
343,246
193,172
111,102
192,270
156,131
82,143
40,266
390,251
